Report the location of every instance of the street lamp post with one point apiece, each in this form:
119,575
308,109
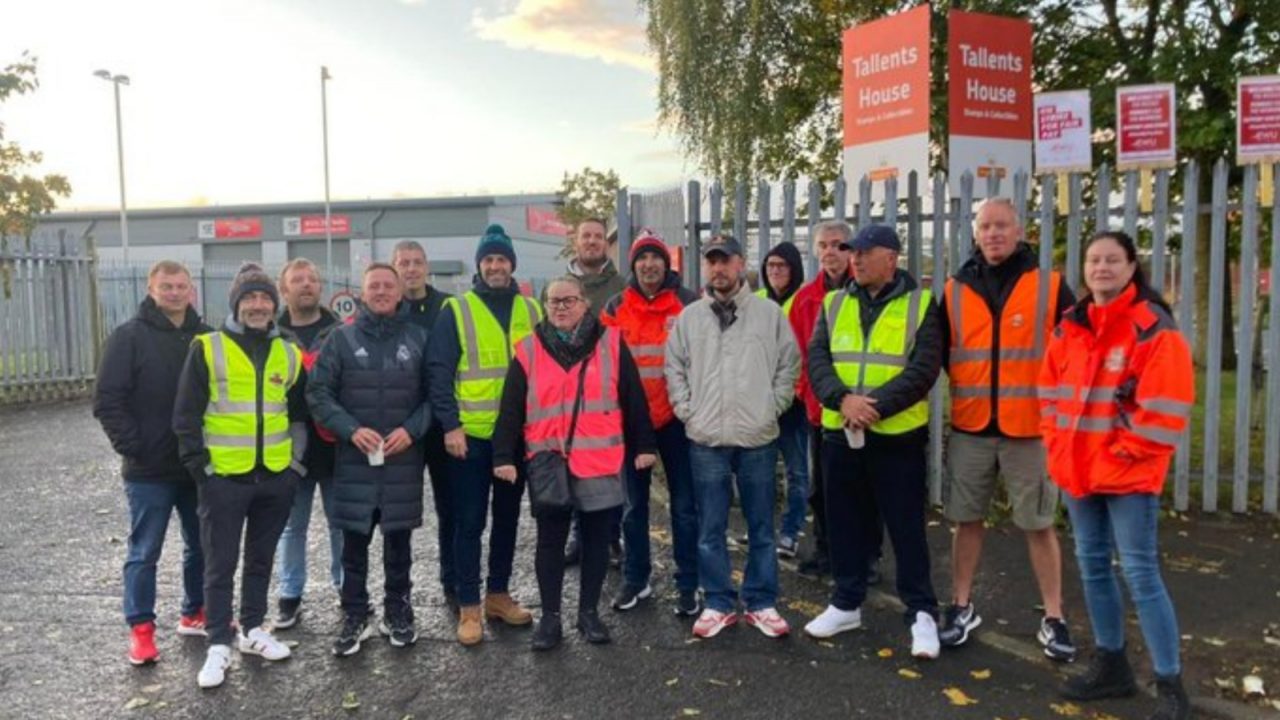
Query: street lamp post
324,125
116,81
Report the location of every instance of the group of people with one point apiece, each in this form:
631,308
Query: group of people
236,428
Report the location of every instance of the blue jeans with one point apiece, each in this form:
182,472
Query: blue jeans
150,505
793,443
714,469
291,553
673,448
471,480
1125,524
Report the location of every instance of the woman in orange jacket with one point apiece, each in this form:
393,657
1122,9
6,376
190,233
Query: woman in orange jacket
1116,391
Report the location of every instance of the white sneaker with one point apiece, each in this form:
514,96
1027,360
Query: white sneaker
924,637
261,642
834,621
215,667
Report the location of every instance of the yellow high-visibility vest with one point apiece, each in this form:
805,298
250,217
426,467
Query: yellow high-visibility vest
786,306
487,349
865,363
232,421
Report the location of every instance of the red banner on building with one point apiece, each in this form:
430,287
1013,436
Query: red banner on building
546,222
222,228
1258,120
314,224
1146,134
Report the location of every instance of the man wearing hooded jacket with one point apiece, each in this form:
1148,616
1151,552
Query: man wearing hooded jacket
782,274
645,312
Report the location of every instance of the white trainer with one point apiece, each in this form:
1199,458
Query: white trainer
261,642
215,667
834,621
924,637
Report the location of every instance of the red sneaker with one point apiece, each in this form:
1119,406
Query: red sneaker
711,622
193,624
769,622
142,644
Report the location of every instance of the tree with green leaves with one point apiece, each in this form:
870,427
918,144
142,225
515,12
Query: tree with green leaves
588,193
24,197
752,87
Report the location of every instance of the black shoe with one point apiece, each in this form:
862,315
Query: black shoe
355,630
615,554
398,626
873,573
1174,703
288,610
593,628
957,622
548,632
573,553
688,604
816,567
630,596
451,602
1107,676
1056,640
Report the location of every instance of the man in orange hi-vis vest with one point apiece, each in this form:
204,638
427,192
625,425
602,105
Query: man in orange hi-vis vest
998,310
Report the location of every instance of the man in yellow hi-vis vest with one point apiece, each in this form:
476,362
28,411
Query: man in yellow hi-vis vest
471,347
875,354
239,421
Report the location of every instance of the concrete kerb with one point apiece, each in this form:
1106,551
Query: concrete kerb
1029,652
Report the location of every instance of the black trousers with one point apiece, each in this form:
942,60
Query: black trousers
397,563
817,492
886,478
442,497
597,530
257,505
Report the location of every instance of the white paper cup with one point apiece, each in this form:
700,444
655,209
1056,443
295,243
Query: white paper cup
855,438
375,457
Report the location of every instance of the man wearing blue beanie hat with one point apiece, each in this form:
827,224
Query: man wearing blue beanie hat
495,241
471,346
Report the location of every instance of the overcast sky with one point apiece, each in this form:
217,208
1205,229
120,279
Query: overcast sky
428,97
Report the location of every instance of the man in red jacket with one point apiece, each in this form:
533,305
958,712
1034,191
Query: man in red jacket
645,312
831,245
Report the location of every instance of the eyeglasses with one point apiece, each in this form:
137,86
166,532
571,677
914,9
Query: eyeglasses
564,302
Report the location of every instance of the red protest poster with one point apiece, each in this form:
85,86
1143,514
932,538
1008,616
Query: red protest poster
1146,133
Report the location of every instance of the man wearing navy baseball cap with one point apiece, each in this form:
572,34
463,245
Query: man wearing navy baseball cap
875,354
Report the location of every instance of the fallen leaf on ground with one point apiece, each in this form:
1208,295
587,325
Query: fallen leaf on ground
909,674
152,689
1216,642
136,703
826,644
291,643
811,609
690,712
673,682
736,577
885,652
350,702
957,697
1067,709
715,681
1252,685
1224,683
980,674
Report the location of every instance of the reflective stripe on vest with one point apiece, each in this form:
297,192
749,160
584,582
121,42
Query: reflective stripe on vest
598,449
786,306
1025,324
866,363
486,353
231,420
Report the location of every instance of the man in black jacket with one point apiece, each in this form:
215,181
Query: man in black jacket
421,306
370,388
875,353
306,322
238,418
137,381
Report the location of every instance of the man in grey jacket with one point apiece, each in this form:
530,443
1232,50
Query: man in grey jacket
731,366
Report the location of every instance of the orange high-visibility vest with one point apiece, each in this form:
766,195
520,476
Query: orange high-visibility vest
1025,323
597,440
645,324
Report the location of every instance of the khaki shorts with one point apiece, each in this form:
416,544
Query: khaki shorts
973,464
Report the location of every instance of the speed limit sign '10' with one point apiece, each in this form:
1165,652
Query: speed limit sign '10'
343,304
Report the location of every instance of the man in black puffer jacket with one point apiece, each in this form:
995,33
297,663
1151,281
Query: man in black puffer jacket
369,387
137,382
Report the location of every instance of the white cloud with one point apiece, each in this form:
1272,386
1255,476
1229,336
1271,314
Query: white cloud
606,30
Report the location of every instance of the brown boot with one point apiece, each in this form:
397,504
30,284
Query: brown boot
470,628
501,606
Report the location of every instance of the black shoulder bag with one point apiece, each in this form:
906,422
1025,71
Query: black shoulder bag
548,470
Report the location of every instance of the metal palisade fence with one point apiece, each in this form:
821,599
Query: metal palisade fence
936,225
49,330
